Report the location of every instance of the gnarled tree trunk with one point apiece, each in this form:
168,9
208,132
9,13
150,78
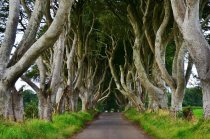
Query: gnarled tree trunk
85,101
8,76
186,14
155,92
5,50
14,105
45,106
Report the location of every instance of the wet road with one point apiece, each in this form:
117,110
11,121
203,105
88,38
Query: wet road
111,126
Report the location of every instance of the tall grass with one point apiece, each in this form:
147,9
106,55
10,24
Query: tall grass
162,126
63,126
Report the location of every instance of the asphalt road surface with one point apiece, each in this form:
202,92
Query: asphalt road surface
111,126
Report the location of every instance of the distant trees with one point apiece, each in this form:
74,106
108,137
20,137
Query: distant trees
30,104
193,97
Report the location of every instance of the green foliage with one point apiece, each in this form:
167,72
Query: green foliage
29,96
62,126
162,126
30,101
31,110
193,97
33,72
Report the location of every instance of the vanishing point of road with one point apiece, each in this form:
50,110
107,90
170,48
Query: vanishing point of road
111,126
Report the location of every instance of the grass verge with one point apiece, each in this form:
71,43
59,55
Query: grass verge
162,126
198,112
63,126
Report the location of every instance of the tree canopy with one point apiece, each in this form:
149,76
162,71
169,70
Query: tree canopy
104,52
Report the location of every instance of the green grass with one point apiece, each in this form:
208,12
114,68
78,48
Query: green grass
63,126
198,112
162,126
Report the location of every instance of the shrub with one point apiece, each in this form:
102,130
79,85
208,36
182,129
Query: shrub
30,102
188,113
193,97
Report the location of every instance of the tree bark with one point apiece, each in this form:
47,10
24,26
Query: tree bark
154,91
17,101
30,33
74,101
10,34
14,105
3,99
5,50
10,75
70,92
160,47
85,101
159,82
206,98
178,93
45,106
187,18
57,66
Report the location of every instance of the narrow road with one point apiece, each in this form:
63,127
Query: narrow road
111,126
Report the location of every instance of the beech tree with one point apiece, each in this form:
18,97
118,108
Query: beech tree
156,93
10,73
186,14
